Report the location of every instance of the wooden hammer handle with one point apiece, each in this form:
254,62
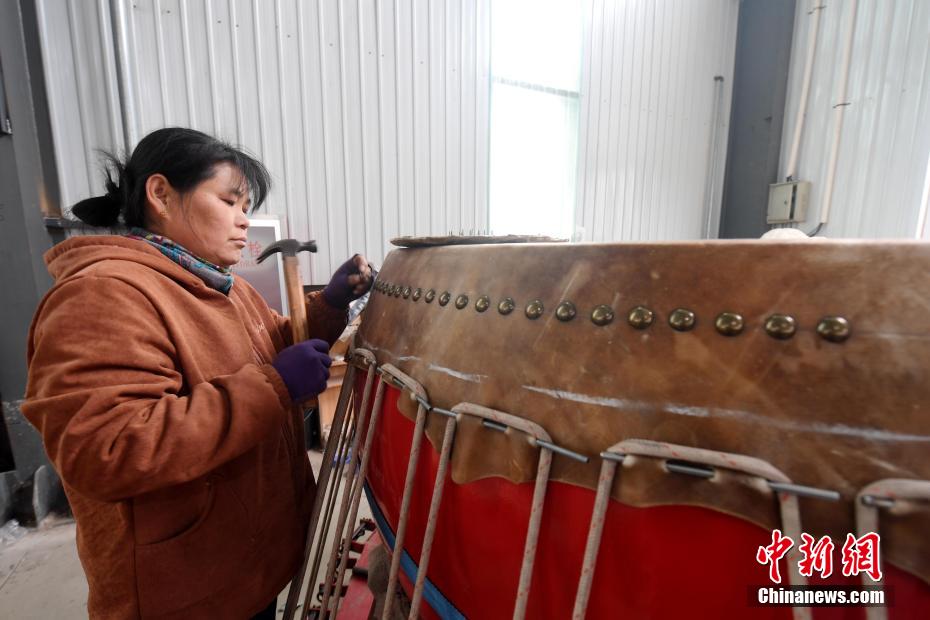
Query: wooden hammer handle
296,301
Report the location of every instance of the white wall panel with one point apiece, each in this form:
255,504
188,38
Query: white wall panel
884,147
653,126
80,72
370,114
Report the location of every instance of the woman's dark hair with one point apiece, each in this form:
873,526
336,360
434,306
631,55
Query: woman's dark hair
185,156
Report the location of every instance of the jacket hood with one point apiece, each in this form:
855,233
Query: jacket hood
79,253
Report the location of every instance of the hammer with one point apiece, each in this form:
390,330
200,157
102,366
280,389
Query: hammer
295,290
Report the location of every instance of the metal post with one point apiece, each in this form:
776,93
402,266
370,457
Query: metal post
344,507
404,510
423,564
363,471
598,514
532,533
293,594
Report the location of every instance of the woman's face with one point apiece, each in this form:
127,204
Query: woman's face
210,221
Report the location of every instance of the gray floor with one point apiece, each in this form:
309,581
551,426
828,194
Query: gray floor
41,577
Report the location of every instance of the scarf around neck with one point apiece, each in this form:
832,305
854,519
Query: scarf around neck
214,276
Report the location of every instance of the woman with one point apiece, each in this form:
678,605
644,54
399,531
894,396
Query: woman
164,389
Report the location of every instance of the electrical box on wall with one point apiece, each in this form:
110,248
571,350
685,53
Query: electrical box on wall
788,202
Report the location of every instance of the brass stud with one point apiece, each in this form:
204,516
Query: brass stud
565,311
681,319
390,290
407,292
398,290
417,293
534,309
602,315
506,305
444,298
483,303
430,296
781,326
833,328
461,301
729,323
641,317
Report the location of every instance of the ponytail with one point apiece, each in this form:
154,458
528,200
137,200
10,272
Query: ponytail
104,211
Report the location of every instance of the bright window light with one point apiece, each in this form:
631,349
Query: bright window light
535,72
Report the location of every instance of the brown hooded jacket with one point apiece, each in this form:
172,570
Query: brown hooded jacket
175,438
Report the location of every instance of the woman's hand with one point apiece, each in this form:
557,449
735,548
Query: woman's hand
352,280
304,367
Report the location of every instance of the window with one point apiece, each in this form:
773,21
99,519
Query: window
535,74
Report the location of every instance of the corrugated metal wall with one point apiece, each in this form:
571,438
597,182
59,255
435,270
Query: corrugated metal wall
371,115
882,170
654,117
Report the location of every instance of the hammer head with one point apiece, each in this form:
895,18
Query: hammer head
287,247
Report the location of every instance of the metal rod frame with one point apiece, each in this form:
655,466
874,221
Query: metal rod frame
870,499
332,492
534,432
329,586
788,506
412,461
297,581
431,521
363,471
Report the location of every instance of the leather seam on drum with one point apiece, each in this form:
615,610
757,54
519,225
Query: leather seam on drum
457,374
702,412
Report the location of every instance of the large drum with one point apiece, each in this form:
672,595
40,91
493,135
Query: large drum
628,429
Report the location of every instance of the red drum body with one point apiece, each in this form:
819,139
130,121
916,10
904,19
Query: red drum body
662,421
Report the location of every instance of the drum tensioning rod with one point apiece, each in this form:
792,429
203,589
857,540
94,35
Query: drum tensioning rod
874,496
704,471
435,501
503,428
696,462
357,490
325,469
404,510
348,492
598,515
332,492
534,433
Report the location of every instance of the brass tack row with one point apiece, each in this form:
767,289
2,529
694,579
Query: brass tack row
778,326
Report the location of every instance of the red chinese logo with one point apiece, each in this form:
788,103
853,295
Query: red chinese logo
817,556
860,555
774,552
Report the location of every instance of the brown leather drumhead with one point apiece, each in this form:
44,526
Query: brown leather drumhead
812,356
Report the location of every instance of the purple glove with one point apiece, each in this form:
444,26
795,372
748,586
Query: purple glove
304,367
351,281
